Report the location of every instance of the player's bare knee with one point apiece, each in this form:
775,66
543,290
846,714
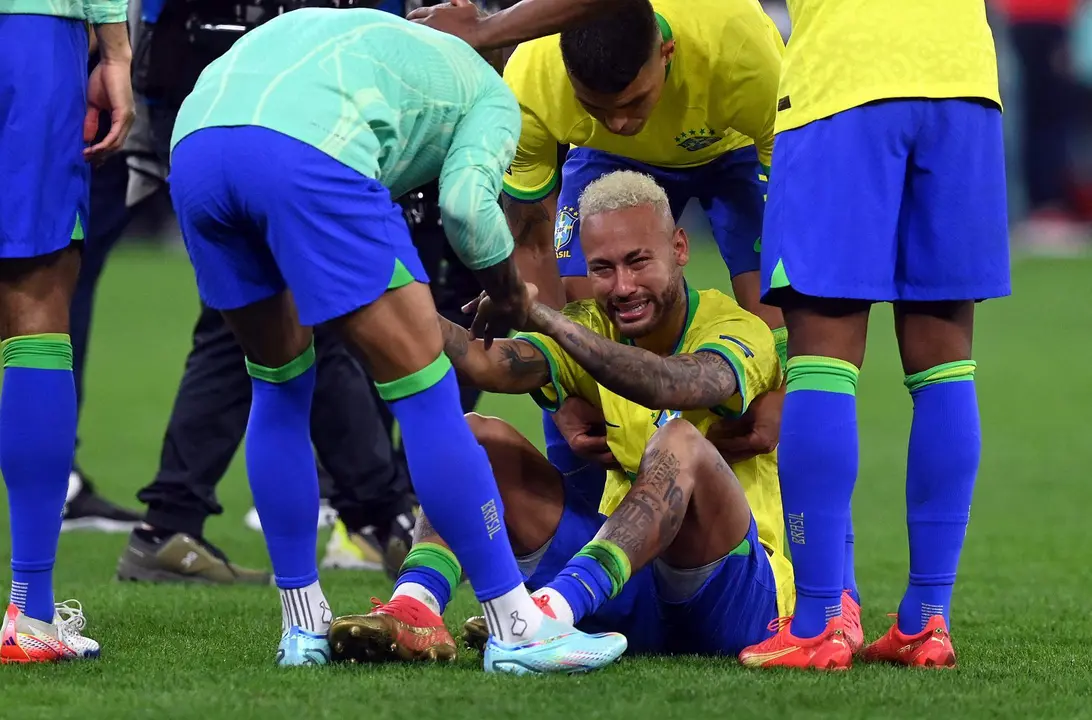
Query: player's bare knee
488,430
675,447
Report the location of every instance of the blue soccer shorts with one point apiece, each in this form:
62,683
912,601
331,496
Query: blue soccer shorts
261,212
44,180
731,190
715,610
901,200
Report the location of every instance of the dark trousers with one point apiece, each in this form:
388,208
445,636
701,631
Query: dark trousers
211,408
1048,105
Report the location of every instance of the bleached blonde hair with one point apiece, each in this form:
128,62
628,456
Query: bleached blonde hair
623,189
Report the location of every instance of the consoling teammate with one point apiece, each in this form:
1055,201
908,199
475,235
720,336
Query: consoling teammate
890,188
685,556
49,109
285,158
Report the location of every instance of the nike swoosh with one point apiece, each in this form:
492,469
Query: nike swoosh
608,423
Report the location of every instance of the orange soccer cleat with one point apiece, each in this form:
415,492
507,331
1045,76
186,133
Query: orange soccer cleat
26,640
827,651
402,629
932,647
851,621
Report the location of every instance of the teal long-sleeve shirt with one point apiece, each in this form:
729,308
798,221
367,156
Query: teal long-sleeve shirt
96,12
393,100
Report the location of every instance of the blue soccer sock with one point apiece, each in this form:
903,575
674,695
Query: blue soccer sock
942,462
849,569
596,574
37,439
452,476
435,569
281,466
817,462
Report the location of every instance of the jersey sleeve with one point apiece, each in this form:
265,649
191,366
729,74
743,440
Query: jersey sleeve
749,95
747,345
470,183
106,12
533,173
567,378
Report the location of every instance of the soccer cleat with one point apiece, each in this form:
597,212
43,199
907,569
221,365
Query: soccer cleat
932,647
556,648
26,640
827,651
851,622
183,558
352,550
404,629
300,647
85,509
476,631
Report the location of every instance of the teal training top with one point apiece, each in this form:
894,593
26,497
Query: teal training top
393,100
97,12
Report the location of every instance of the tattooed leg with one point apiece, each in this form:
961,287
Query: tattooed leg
686,505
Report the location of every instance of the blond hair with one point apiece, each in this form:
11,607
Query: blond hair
623,189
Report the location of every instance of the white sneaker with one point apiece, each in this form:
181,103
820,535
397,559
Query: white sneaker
24,639
327,516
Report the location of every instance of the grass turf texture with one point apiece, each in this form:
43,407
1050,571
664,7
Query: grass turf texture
1021,624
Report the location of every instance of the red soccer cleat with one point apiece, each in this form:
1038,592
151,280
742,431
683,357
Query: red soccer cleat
402,629
827,651
932,647
851,621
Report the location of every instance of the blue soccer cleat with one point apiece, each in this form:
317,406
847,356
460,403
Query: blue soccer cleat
300,647
556,648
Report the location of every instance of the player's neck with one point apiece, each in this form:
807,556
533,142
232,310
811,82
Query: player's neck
665,338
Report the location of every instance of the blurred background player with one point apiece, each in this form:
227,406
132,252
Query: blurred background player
518,22
675,551
49,109
880,198
310,211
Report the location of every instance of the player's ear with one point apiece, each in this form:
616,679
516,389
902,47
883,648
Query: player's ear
681,244
667,51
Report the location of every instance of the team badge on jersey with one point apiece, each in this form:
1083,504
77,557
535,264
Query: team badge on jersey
667,416
563,231
694,140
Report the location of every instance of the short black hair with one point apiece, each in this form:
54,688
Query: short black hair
607,54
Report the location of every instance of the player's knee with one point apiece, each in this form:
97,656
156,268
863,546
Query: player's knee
491,433
677,435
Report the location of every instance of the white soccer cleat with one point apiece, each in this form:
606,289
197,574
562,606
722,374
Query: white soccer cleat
25,640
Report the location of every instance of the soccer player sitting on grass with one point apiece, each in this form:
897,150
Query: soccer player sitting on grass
285,159
688,553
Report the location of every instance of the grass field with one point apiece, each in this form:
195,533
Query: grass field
1021,620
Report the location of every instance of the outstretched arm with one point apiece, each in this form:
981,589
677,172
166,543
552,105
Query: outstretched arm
680,382
511,367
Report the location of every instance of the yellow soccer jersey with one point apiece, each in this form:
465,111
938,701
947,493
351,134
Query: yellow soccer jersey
845,53
715,323
720,95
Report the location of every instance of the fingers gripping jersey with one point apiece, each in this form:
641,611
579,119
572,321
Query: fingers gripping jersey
720,95
393,100
715,323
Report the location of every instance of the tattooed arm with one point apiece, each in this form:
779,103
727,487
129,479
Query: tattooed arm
511,367
680,382
532,226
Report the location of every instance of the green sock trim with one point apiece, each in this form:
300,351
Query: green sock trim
419,381
781,345
48,351
400,277
958,371
813,372
285,373
435,557
613,560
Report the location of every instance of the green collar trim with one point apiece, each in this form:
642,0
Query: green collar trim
667,34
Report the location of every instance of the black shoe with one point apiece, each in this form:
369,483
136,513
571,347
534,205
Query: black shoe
87,510
396,540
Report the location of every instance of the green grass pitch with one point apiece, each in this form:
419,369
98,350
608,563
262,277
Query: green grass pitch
1021,620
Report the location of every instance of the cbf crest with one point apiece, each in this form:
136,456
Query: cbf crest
694,140
563,231
666,416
